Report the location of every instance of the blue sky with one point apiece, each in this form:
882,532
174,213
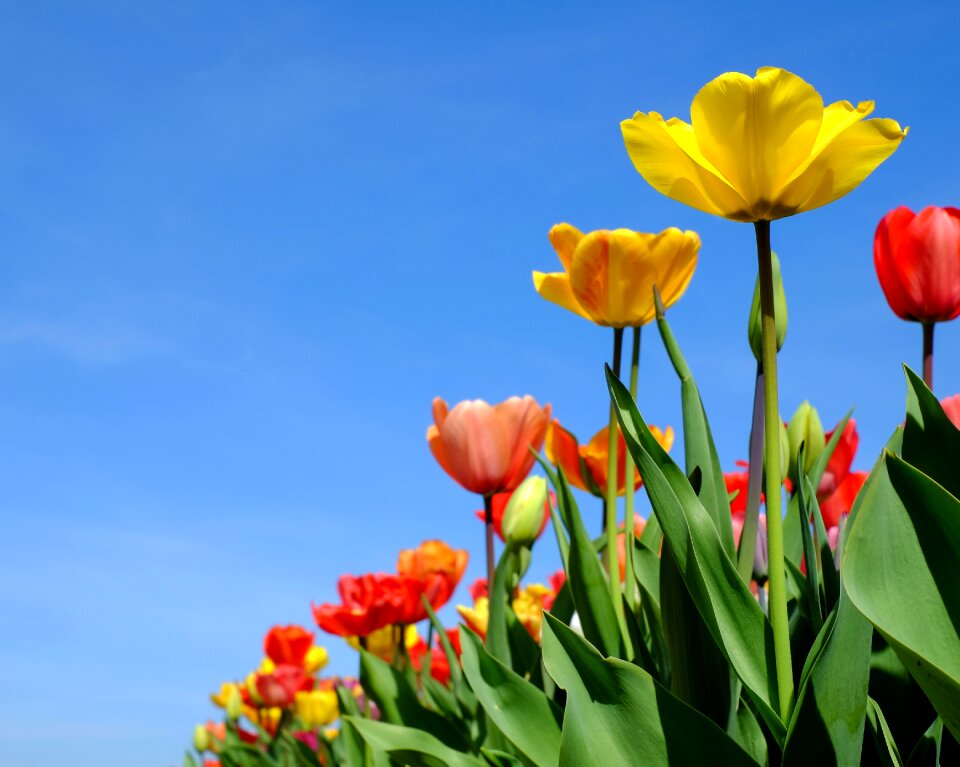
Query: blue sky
243,245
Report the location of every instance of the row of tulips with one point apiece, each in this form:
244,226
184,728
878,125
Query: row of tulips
795,610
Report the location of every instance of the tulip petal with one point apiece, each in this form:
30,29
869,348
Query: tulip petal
526,422
852,156
565,239
555,287
757,131
665,154
563,450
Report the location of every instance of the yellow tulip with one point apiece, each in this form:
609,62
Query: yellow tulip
222,698
760,148
316,659
383,641
317,708
609,275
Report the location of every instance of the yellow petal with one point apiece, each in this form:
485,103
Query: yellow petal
757,131
556,288
565,239
665,154
673,255
852,156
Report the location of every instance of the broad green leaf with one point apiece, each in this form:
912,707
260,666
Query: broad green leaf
586,578
900,570
727,607
931,442
410,746
497,758
399,703
617,715
745,729
826,726
698,445
348,742
520,711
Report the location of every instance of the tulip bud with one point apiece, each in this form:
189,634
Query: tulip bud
805,428
784,449
234,705
523,517
754,333
201,738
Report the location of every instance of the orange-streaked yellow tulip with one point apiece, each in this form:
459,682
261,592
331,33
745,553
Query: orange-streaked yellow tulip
760,148
528,604
585,466
608,276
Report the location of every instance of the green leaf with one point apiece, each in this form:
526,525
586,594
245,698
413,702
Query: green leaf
900,570
881,730
497,640
728,609
399,703
698,445
588,582
618,715
810,554
463,692
243,755
520,711
927,751
410,746
188,760
826,726
931,442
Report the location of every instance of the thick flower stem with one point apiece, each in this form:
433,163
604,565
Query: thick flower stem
928,354
610,500
771,453
751,517
629,515
488,524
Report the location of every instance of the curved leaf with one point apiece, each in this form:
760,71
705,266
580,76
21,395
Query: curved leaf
409,746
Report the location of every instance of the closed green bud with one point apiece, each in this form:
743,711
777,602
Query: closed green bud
201,738
523,519
805,428
754,332
234,705
784,450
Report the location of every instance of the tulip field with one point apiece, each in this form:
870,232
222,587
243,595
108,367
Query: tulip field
785,609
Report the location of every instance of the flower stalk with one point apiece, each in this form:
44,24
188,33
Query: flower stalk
629,514
751,518
488,526
928,354
771,452
610,499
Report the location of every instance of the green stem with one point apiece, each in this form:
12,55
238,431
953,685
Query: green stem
610,501
771,453
629,515
488,522
751,516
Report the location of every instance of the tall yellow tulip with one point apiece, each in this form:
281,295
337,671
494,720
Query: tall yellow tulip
760,148
608,276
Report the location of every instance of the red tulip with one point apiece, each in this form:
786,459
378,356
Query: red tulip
841,500
368,602
917,256
288,645
439,666
279,688
951,406
736,481
486,448
838,467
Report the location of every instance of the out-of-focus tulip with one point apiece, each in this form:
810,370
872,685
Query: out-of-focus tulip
498,505
638,525
234,705
476,617
838,467
317,708
201,738
528,604
368,602
736,482
486,448
917,256
432,560
384,641
524,517
279,688
754,334
585,466
288,645
760,552
760,148
315,659
609,276
439,666
951,406
804,429
221,698
840,501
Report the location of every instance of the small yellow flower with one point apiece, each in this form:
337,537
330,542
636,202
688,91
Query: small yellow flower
528,605
222,698
760,148
267,666
317,708
476,617
316,659
609,275
383,641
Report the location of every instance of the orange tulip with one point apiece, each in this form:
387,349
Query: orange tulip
486,448
434,558
585,466
288,645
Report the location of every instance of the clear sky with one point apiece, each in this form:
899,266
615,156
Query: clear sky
243,245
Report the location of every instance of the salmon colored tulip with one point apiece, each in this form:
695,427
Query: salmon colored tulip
499,506
434,558
609,276
760,148
585,466
288,645
951,406
486,448
917,256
